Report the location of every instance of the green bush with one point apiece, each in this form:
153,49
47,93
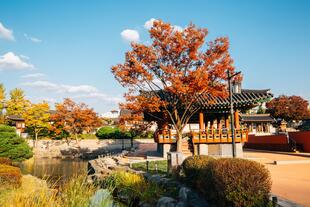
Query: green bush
235,182
6,128
9,176
13,146
192,167
108,132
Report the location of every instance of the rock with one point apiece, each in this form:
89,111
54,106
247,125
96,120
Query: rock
166,202
155,178
183,194
182,204
145,205
194,200
102,197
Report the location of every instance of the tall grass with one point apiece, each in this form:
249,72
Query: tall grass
36,193
133,188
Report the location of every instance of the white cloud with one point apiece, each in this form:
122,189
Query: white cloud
177,28
73,91
10,61
149,24
61,88
6,33
34,75
33,39
130,35
24,57
101,96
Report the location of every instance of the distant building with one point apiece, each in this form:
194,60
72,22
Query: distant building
17,122
258,124
111,117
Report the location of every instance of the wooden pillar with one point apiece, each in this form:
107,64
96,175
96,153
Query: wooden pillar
219,124
237,123
227,122
201,122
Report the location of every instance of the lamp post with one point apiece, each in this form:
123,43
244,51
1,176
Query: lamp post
232,124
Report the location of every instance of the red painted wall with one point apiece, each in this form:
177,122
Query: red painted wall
269,139
270,142
302,138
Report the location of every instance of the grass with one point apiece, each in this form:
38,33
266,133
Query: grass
35,192
155,167
133,188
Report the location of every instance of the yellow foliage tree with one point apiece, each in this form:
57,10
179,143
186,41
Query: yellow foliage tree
37,117
2,100
17,104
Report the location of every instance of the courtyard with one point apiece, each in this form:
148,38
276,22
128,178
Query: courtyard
290,180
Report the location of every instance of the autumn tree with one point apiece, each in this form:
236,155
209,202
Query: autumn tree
74,118
37,118
289,108
178,63
2,102
17,104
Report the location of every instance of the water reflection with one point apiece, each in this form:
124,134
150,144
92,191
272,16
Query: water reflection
54,169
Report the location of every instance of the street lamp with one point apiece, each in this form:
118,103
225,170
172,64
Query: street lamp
232,124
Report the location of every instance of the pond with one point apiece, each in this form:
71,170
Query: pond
54,169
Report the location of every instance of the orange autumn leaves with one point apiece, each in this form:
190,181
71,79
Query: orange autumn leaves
176,61
73,118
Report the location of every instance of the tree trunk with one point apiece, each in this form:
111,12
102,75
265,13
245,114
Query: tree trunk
35,138
179,142
76,138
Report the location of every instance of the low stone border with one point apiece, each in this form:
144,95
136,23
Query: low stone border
290,162
282,202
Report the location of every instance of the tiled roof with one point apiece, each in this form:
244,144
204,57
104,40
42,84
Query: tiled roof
256,118
15,118
247,98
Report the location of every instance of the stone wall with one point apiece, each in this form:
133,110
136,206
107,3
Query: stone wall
86,149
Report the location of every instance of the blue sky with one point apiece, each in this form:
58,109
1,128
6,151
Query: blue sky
56,49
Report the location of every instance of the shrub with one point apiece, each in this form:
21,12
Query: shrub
6,128
134,188
13,146
5,161
108,132
192,167
235,182
9,176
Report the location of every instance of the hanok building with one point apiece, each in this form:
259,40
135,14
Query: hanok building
17,122
213,136
258,124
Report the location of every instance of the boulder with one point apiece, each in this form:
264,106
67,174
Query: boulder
166,202
102,197
183,194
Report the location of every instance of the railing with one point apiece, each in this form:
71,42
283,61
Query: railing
219,136
205,136
165,136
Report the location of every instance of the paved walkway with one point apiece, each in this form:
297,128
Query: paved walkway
290,181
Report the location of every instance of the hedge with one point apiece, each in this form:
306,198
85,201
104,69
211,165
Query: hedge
192,167
109,132
229,181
